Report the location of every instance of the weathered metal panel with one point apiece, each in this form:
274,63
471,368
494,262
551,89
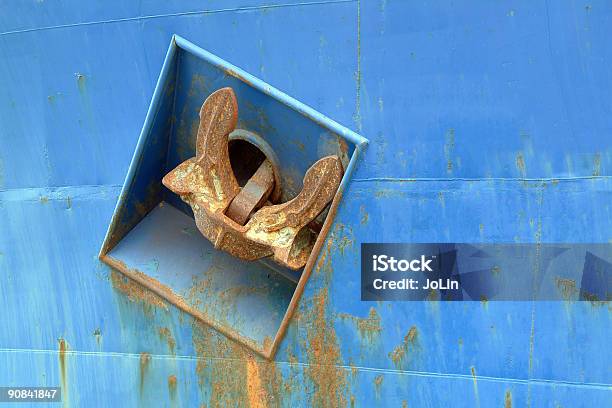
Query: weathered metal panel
460,101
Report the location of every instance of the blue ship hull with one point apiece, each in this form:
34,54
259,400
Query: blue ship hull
487,122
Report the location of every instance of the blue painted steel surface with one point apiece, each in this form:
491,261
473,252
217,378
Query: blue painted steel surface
487,122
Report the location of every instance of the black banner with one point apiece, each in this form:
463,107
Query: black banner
483,272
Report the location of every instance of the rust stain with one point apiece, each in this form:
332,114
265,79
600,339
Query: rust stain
44,199
408,345
197,86
255,390
98,335
234,74
567,287
378,380
324,262
232,375
81,81
145,359
449,148
148,290
441,199
344,243
473,371
166,335
369,327
136,292
508,399
520,164
63,347
324,357
172,387
299,145
365,217
221,368
267,344
354,371
597,165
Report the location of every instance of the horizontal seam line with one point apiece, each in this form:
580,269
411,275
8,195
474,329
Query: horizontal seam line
467,377
54,188
186,13
543,179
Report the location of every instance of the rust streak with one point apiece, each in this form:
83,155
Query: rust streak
255,389
145,358
323,353
378,380
63,347
369,327
403,351
166,334
172,387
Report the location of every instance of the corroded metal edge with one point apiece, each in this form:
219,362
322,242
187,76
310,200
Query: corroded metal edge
170,296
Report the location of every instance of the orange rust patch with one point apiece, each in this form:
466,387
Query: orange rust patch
172,386
369,327
323,353
402,351
135,292
508,399
255,390
232,375
166,335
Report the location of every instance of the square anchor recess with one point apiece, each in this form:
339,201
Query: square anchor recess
153,238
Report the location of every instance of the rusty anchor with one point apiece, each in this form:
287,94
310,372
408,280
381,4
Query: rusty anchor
241,221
